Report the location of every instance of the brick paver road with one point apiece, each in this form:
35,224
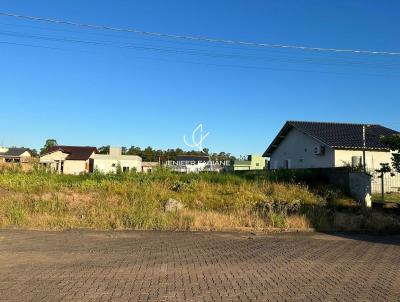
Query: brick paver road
168,266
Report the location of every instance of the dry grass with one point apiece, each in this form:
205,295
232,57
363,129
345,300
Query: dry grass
298,222
136,201
41,200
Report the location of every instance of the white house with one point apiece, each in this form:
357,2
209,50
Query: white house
15,155
322,145
69,159
108,163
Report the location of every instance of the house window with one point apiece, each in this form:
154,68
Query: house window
356,161
125,169
257,164
287,164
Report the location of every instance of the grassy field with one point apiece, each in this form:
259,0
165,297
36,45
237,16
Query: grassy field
41,200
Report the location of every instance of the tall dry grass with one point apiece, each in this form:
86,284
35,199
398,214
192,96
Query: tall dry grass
41,200
38,199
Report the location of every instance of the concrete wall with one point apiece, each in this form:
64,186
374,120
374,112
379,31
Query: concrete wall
373,159
105,163
298,149
360,187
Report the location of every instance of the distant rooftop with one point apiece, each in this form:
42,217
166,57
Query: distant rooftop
14,152
75,152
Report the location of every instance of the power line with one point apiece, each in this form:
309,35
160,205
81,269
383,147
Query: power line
191,51
215,64
180,42
196,38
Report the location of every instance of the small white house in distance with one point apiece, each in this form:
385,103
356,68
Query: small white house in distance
302,144
108,163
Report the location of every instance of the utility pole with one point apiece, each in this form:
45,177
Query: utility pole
364,165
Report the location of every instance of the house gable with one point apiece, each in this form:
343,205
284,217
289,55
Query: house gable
297,150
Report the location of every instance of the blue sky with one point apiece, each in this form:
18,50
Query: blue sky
85,94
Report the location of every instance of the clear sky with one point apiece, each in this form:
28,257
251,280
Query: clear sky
96,87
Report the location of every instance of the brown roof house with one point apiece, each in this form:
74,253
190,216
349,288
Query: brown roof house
69,159
302,144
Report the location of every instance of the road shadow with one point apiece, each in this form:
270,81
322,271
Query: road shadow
371,237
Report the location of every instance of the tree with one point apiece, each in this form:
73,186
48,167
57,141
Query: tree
393,143
134,151
51,142
385,168
34,153
104,149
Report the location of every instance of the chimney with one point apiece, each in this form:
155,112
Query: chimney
115,151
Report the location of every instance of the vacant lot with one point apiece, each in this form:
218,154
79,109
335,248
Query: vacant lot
40,200
192,266
137,201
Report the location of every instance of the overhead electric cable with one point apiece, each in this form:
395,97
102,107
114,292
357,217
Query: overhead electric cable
198,38
191,51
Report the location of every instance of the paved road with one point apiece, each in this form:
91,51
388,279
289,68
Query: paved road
168,266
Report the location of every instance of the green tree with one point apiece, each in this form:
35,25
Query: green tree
134,151
51,142
104,149
34,153
393,143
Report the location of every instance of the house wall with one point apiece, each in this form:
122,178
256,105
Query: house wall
26,154
298,148
53,160
257,162
149,166
76,167
108,164
58,155
373,159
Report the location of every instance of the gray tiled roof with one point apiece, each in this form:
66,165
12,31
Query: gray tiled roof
336,135
14,152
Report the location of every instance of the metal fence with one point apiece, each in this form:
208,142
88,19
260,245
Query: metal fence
391,183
